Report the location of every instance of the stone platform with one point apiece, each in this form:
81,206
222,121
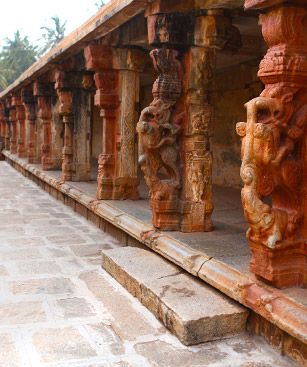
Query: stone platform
192,310
279,312
58,308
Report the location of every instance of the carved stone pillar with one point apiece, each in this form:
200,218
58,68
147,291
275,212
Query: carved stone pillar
274,149
129,63
212,31
65,97
21,129
30,116
117,85
13,128
159,123
174,130
7,126
71,87
2,127
42,92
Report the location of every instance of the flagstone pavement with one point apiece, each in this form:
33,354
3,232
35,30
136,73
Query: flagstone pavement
59,308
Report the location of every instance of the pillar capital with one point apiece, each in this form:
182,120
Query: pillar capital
214,29
98,57
42,89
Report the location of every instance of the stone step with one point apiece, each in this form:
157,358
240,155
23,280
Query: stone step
194,311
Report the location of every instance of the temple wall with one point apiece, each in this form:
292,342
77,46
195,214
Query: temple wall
235,85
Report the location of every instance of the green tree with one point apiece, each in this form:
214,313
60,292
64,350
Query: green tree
100,4
53,35
16,56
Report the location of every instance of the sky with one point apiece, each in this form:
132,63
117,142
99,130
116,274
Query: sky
29,15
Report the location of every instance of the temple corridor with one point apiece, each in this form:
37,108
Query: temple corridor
59,308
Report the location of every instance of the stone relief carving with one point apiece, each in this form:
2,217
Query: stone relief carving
270,166
158,128
274,150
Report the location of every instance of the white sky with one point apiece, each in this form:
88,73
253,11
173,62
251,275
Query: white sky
29,15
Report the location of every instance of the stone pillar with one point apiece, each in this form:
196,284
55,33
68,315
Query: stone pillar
160,123
129,63
7,126
117,85
175,153
274,146
43,93
30,116
212,31
71,89
2,127
21,129
65,96
13,127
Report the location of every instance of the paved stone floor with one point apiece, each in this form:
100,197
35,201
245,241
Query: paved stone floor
59,308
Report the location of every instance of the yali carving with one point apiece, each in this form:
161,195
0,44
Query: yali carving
158,128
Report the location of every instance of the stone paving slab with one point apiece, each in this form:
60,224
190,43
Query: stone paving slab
192,310
90,321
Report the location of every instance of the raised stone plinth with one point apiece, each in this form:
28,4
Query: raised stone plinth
192,310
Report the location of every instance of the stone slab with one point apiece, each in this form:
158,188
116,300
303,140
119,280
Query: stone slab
193,311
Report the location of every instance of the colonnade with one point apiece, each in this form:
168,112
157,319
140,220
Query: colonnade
169,139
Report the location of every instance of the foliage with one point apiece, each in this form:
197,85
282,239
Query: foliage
16,56
53,35
100,4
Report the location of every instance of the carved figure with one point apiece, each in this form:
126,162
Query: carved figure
270,165
274,150
197,179
158,129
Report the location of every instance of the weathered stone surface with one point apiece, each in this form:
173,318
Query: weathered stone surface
3,270
128,323
75,307
57,345
43,286
8,353
105,319
193,311
42,267
21,313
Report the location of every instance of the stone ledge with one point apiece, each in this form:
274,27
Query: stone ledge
276,307
192,310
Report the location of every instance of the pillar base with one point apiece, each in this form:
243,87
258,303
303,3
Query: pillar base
284,266
194,218
51,163
22,153
165,215
120,188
